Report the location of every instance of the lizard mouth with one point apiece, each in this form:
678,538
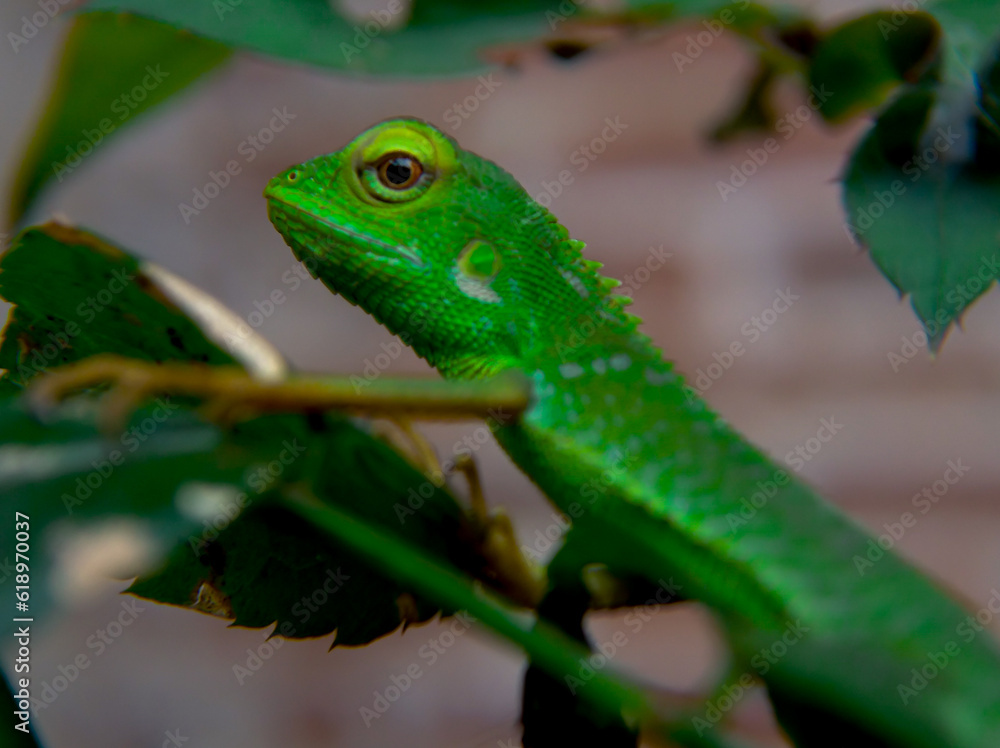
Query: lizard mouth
287,207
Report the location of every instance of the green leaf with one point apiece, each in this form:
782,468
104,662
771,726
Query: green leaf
68,471
271,567
755,113
185,479
971,28
860,62
922,189
76,295
113,69
443,37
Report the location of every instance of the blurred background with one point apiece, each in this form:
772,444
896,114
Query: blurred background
652,191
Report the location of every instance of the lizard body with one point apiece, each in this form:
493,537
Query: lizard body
448,251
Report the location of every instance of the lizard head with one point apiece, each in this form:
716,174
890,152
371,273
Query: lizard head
441,246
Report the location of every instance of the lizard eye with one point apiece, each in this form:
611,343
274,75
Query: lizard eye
395,177
397,171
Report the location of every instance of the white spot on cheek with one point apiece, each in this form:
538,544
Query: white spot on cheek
570,370
476,290
600,365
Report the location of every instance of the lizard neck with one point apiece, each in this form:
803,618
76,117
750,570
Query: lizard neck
582,333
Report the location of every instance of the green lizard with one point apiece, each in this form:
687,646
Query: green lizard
448,251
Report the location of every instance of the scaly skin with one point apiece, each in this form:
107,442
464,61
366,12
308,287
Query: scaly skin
445,249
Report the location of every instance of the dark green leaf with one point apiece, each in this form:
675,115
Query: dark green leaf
271,567
755,112
443,36
76,295
67,470
922,190
860,62
187,479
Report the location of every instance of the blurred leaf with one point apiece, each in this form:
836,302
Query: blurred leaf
435,38
863,60
971,28
269,566
755,113
68,470
443,37
183,477
76,295
113,69
922,190
782,39
932,227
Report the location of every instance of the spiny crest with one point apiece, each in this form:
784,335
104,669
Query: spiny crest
568,253
603,287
